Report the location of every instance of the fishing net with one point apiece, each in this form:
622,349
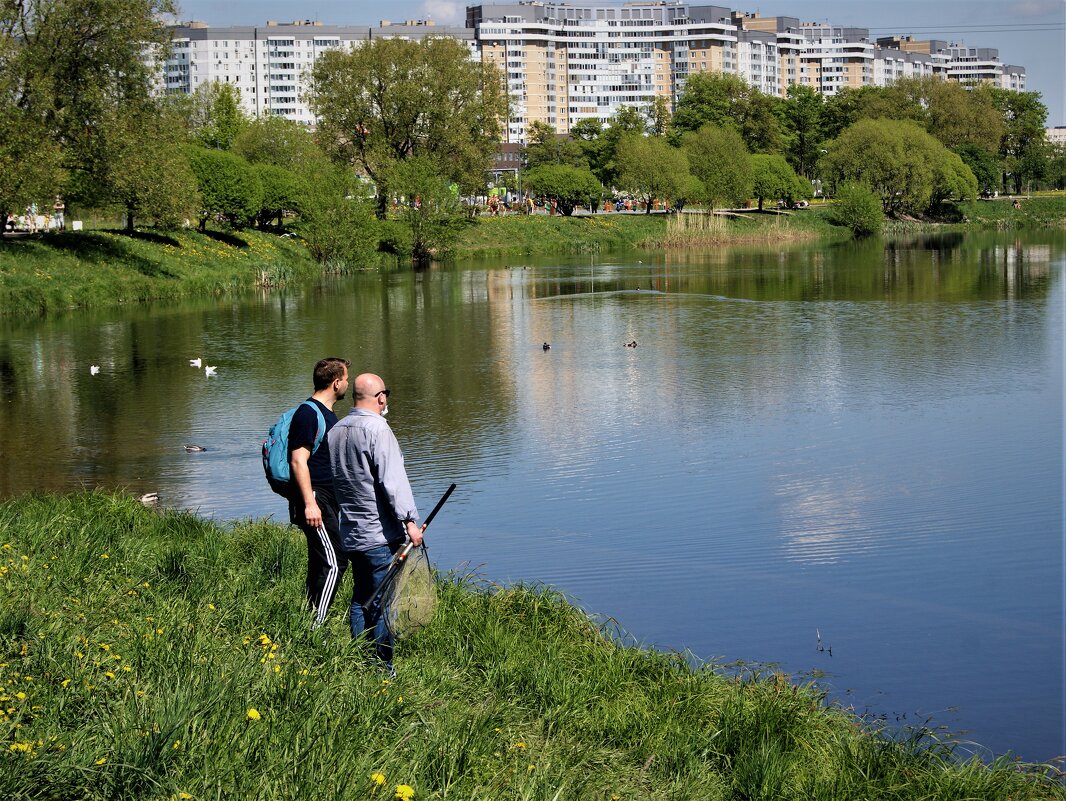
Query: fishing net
410,599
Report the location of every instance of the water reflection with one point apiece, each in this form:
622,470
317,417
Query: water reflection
863,439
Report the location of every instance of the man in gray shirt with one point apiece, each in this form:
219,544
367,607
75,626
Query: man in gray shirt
374,501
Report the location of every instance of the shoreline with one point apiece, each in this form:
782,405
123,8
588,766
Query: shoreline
60,272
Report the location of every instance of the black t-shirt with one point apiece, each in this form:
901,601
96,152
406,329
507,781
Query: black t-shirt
302,431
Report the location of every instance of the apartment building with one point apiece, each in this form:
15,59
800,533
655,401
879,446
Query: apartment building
564,62
271,65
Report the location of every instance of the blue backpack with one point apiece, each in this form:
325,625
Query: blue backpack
276,449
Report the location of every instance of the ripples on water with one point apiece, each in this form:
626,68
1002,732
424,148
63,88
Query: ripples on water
861,442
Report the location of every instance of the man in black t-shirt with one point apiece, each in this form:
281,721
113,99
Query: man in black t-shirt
311,505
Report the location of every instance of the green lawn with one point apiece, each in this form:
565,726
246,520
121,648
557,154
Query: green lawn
148,655
70,270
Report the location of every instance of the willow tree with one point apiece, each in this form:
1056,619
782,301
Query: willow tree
70,70
392,99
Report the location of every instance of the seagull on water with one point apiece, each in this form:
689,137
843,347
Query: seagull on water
209,370
197,363
94,369
195,448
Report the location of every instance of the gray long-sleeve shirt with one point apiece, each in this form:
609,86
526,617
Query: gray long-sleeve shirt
374,497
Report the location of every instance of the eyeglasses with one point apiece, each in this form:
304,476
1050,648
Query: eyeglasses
385,392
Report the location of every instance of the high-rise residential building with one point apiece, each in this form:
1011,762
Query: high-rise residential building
564,62
271,65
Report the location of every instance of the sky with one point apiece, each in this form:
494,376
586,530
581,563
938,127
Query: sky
1029,33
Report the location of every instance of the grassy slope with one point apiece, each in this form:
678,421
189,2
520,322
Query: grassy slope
517,235
147,655
71,270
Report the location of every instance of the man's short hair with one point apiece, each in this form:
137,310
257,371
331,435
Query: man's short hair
329,370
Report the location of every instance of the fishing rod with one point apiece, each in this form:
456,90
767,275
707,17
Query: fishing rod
402,554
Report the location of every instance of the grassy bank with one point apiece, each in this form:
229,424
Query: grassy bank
147,655
1039,211
98,268
521,235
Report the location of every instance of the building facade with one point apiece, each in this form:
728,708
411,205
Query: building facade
568,62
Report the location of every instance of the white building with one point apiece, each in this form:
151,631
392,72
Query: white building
567,62
271,65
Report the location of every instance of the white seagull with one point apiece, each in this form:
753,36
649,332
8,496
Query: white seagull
208,370
197,363
94,369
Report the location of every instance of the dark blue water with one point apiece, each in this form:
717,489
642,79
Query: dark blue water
844,463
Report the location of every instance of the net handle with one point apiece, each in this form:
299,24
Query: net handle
402,554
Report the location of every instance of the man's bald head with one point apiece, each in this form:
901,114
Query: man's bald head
368,392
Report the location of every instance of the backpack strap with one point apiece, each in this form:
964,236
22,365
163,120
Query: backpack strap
321,433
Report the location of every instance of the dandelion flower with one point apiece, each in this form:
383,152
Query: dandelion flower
253,714
110,675
104,556
405,792
519,744
101,761
21,696
377,778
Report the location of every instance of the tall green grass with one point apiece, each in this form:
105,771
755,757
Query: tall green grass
150,655
55,272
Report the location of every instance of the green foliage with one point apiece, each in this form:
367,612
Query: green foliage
149,175
431,210
159,655
984,165
391,99
650,167
1024,146
271,139
569,187
803,128
229,189
728,101
337,222
720,160
907,167
69,69
282,192
773,179
547,147
216,115
858,207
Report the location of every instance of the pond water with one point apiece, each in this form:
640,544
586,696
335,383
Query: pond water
843,462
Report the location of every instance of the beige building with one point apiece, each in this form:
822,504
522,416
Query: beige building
567,62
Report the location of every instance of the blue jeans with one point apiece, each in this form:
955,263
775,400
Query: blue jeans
368,569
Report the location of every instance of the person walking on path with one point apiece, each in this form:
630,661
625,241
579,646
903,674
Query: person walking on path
375,503
312,506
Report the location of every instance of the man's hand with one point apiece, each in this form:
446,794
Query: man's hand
414,532
313,515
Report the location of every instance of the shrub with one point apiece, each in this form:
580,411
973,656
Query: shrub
858,207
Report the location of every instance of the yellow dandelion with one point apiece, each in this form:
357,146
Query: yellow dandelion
184,796
519,744
377,778
177,745
65,683
253,714
405,792
21,696
101,761
211,607
25,748
109,674
104,556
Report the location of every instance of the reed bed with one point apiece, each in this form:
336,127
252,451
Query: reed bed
157,655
